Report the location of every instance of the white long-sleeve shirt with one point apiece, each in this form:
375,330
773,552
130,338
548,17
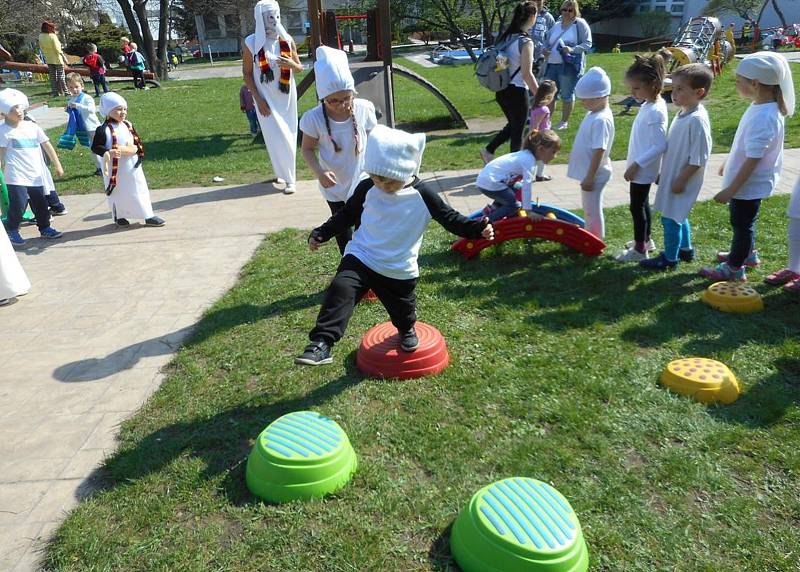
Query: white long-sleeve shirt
648,141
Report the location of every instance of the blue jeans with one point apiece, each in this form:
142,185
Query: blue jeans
18,196
565,78
743,221
253,119
505,203
677,237
99,80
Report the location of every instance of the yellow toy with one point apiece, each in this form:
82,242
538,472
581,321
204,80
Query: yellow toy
551,215
706,380
734,297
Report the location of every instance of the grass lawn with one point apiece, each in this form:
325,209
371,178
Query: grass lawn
555,361
193,130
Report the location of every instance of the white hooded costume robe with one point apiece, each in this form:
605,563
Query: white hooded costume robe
13,280
280,127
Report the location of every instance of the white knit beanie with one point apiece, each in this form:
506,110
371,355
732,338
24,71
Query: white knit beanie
393,153
110,101
332,72
594,83
10,98
770,68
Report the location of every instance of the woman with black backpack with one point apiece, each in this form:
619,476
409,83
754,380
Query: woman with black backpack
513,100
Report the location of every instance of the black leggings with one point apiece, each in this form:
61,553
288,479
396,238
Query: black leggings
743,221
513,101
344,238
640,211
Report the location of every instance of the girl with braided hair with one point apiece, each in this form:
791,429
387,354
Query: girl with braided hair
646,147
117,141
337,128
269,62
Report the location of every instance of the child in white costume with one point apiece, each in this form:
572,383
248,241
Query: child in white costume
338,128
84,103
684,165
13,281
118,143
268,63
589,160
752,170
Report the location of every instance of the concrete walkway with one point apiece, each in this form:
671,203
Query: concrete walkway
109,308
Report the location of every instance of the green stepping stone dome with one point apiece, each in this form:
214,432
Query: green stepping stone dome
300,456
519,525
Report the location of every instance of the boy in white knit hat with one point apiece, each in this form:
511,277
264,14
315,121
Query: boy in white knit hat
337,129
589,160
391,210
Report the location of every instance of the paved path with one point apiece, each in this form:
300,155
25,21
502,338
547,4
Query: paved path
109,307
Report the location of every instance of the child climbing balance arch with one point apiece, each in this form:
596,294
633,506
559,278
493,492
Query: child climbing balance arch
269,61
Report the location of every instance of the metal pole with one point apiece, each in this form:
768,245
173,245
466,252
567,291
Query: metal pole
210,55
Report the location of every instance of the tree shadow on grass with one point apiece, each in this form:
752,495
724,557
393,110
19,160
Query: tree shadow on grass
191,148
212,323
765,403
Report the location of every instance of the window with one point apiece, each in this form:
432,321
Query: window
645,8
211,23
676,9
661,9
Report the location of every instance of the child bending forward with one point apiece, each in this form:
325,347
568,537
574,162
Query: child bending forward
390,211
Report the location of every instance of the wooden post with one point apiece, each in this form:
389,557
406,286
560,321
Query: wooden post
385,51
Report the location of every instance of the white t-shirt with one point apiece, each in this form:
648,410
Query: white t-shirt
346,164
648,140
688,143
595,132
499,173
23,162
569,38
759,136
515,60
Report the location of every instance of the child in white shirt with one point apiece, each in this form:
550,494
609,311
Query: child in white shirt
646,146
589,160
83,104
497,179
21,145
790,276
684,165
337,129
753,167
393,208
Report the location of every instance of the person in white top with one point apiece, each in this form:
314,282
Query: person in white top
790,276
498,179
83,104
646,146
337,128
752,169
514,99
269,62
122,150
21,145
393,207
13,280
684,165
589,161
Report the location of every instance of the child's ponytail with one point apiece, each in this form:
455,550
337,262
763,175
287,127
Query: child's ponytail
542,138
778,95
650,68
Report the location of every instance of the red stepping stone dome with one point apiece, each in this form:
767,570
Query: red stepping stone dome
379,354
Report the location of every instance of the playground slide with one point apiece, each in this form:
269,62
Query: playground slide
547,210
565,233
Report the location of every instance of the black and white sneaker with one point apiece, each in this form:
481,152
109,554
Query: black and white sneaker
154,221
316,353
409,340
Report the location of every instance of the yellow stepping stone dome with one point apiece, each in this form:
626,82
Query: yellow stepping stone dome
706,380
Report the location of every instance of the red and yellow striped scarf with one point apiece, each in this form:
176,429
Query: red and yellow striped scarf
268,75
112,182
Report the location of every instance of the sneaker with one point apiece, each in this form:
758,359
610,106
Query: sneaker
316,353
723,272
98,172
50,233
562,125
631,255
122,222
289,190
58,212
650,246
154,221
660,262
781,277
5,301
751,261
486,156
686,254
409,340
15,237
542,178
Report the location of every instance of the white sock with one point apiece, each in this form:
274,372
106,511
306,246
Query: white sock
98,160
794,245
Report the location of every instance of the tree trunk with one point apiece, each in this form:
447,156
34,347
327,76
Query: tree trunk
140,7
163,36
779,12
130,20
761,12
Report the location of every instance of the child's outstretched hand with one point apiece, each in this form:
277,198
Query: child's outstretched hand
488,229
59,171
327,179
314,243
630,172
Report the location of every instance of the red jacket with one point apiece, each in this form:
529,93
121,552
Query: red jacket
95,63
